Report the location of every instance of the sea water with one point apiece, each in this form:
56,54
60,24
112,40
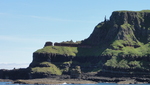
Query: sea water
9,83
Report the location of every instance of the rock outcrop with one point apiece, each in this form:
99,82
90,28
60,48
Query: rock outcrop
72,44
119,45
76,72
48,44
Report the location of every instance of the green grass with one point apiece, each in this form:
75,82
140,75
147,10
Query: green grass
126,47
125,25
128,50
112,62
135,64
144,11
117,62
62,50
118,49
71,51
52,69
127,35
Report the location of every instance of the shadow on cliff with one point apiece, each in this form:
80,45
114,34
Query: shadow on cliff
91,58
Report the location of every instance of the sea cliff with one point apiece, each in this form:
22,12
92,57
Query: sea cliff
117,47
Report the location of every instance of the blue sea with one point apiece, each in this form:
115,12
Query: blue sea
9,83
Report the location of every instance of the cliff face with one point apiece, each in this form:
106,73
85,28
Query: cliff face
121,24
118,45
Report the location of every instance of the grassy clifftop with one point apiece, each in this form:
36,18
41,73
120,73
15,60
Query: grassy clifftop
71,51
61,50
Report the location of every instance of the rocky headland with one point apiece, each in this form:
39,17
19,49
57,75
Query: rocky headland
118,50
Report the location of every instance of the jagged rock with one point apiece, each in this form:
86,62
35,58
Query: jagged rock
75,72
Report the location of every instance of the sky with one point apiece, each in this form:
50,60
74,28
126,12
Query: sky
25,25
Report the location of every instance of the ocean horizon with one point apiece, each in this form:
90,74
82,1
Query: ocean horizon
10,66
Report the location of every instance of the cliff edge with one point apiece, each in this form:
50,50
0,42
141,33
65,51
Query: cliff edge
119,45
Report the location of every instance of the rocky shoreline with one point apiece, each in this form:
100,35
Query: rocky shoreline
54,81
84,80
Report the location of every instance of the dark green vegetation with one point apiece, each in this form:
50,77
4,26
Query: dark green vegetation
119,45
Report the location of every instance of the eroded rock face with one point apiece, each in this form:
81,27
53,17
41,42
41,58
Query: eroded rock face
49,57
139,21
114,29
75,72
111,38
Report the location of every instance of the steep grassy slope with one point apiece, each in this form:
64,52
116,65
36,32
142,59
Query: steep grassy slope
129,49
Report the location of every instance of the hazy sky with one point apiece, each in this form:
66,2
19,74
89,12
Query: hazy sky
25,25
